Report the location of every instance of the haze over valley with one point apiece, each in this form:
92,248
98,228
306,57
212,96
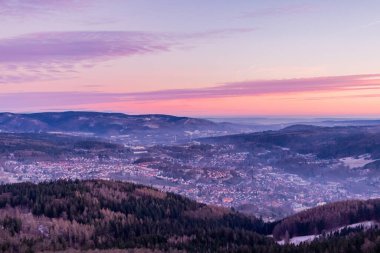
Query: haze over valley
270,174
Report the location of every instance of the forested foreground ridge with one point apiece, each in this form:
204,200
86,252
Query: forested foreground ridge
326,218
110,216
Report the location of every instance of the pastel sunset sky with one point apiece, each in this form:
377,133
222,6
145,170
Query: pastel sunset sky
193,58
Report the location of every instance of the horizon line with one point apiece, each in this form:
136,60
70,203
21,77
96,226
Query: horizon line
258,116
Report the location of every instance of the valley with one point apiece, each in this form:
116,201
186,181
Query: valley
270,174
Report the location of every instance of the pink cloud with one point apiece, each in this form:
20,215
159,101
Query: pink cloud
239,89
264,87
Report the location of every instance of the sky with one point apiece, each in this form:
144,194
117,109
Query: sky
191,58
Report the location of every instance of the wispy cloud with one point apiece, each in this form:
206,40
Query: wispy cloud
57,52
373,23
239,89
78,46
280,10
360,96
264,87
27,8
83,45
56,55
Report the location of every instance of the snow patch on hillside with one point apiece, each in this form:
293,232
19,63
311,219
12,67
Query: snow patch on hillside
356,162
365,225
300,239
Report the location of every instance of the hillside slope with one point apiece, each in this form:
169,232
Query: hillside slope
111,216
105,214
328,217
40,146
324,142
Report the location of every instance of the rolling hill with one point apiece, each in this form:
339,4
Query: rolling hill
85,215
111,216
43,146
324,142
132,129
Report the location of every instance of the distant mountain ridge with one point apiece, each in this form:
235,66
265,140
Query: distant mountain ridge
93,122
155,128
325,142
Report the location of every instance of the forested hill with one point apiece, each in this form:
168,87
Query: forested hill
324,142
106,214
109,216
328,217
